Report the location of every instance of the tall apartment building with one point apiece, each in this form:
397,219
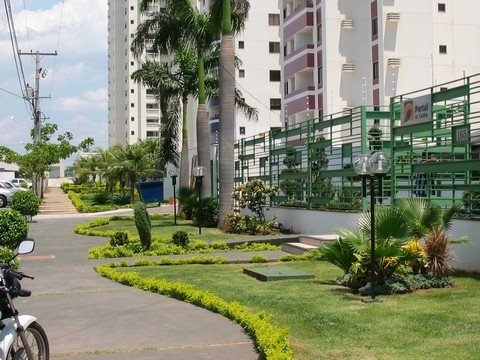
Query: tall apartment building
341,54
133,111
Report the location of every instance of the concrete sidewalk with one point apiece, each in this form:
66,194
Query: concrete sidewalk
89,317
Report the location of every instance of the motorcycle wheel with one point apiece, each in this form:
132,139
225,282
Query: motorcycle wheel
38,341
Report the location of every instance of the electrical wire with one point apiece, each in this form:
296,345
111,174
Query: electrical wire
18,60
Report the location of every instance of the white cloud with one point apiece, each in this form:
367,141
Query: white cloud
90,100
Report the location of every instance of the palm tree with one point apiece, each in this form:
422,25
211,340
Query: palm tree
227,104
135,162
184,25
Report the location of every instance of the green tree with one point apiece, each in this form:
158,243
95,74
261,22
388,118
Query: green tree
183,24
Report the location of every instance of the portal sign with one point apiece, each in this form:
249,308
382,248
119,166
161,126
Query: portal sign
417,110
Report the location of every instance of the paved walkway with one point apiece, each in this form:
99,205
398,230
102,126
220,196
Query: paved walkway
56,202
89,317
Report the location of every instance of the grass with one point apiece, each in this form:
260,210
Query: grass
165,228
326,321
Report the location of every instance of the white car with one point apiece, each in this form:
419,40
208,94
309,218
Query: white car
20,182
12,187
5,196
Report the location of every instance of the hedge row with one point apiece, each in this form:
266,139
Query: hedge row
78,200
271,341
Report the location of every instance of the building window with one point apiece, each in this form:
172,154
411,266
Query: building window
152,120
285,51
441,7
132,119
375,70
320,113
284,13
132,105
442,49
152,134
274,75
132,132
241,45
273,19
242,130
319,33
320,75
274,47
374,26
150,92
152,106
241,73
275,104
132,91
285,86
131,22
131,7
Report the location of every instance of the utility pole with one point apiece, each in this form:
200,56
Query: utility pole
37,183
36,93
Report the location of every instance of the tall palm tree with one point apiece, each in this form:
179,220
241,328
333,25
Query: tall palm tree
184,25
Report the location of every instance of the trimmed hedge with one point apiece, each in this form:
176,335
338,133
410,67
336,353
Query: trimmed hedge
78,200
26,203
13,228
271,341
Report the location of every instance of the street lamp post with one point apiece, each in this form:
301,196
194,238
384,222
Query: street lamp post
199,173
174,174
372,167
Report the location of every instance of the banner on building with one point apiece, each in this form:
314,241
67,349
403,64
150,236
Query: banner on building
417,110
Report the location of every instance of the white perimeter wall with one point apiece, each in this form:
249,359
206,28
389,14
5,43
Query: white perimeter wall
467,256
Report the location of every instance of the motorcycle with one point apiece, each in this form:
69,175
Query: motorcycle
21,336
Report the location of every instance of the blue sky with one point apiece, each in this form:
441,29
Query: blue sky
76,78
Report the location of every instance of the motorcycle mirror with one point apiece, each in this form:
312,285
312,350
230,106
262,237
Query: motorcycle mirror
26,247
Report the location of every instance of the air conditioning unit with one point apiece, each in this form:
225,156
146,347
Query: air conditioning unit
348,67
393,16
394,62
347,24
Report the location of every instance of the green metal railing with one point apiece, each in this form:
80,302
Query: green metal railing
439,160
312,162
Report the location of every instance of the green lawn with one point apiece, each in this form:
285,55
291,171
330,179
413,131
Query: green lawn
165,228
328,322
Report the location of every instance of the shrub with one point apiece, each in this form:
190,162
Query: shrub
253,195
120,198
13,228
143,224
6,256
471,201
119,238
260,258
101,197
180,238
438,254
187,197
206,214
26,203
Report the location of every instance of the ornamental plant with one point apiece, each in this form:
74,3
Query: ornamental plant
253,195
143,224
13,228
26,203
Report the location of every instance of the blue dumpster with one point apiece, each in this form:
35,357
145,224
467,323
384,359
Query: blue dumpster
150,191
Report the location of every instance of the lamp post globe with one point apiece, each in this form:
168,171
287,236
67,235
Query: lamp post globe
379,163
360,164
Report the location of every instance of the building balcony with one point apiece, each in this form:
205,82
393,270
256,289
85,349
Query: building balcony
299,105
301,18
300,91
299,51
304,62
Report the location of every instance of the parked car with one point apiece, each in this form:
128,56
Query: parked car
12,187
22,183
5,196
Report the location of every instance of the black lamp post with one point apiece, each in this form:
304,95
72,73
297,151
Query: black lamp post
372,167
199,173
174,174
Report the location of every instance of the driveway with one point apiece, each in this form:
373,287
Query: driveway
89,317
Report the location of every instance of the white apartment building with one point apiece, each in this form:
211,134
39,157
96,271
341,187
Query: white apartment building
341,54
133,111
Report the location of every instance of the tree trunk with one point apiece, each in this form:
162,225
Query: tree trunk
227,115
203,130
227,125
184,160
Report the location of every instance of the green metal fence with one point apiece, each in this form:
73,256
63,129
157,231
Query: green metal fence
438,158
311,162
